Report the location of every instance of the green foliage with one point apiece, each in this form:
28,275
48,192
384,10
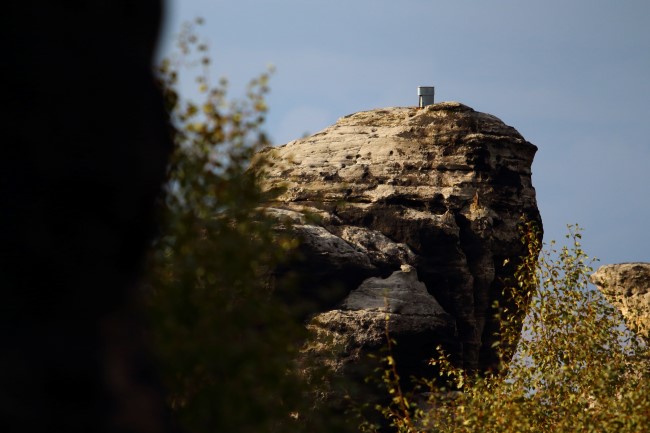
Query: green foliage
576,369
225,345
401,410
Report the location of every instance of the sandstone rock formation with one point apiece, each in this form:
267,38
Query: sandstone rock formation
358,325
627,287
440,189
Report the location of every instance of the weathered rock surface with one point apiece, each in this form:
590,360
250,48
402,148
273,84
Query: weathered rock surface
441,189
358,325
627,287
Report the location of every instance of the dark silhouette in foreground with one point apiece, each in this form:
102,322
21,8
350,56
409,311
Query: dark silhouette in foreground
84,151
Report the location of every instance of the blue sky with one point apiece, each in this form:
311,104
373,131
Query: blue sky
573,77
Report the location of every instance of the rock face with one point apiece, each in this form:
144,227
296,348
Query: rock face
627,287
358,325
440,189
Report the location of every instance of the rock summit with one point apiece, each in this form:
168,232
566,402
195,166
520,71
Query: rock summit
421,205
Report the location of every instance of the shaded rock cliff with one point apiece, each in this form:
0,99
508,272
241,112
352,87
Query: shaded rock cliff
440,190
627,287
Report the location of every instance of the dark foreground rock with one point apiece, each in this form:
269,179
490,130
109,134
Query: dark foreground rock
440,191
84,156
627,287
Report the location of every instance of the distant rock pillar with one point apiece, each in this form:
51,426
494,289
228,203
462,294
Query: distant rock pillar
627,287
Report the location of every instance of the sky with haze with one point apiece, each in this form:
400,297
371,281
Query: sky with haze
572,76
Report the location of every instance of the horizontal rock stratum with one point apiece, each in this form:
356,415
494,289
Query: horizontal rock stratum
440,190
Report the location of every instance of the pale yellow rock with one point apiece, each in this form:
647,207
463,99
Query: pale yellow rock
627,287
441,189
